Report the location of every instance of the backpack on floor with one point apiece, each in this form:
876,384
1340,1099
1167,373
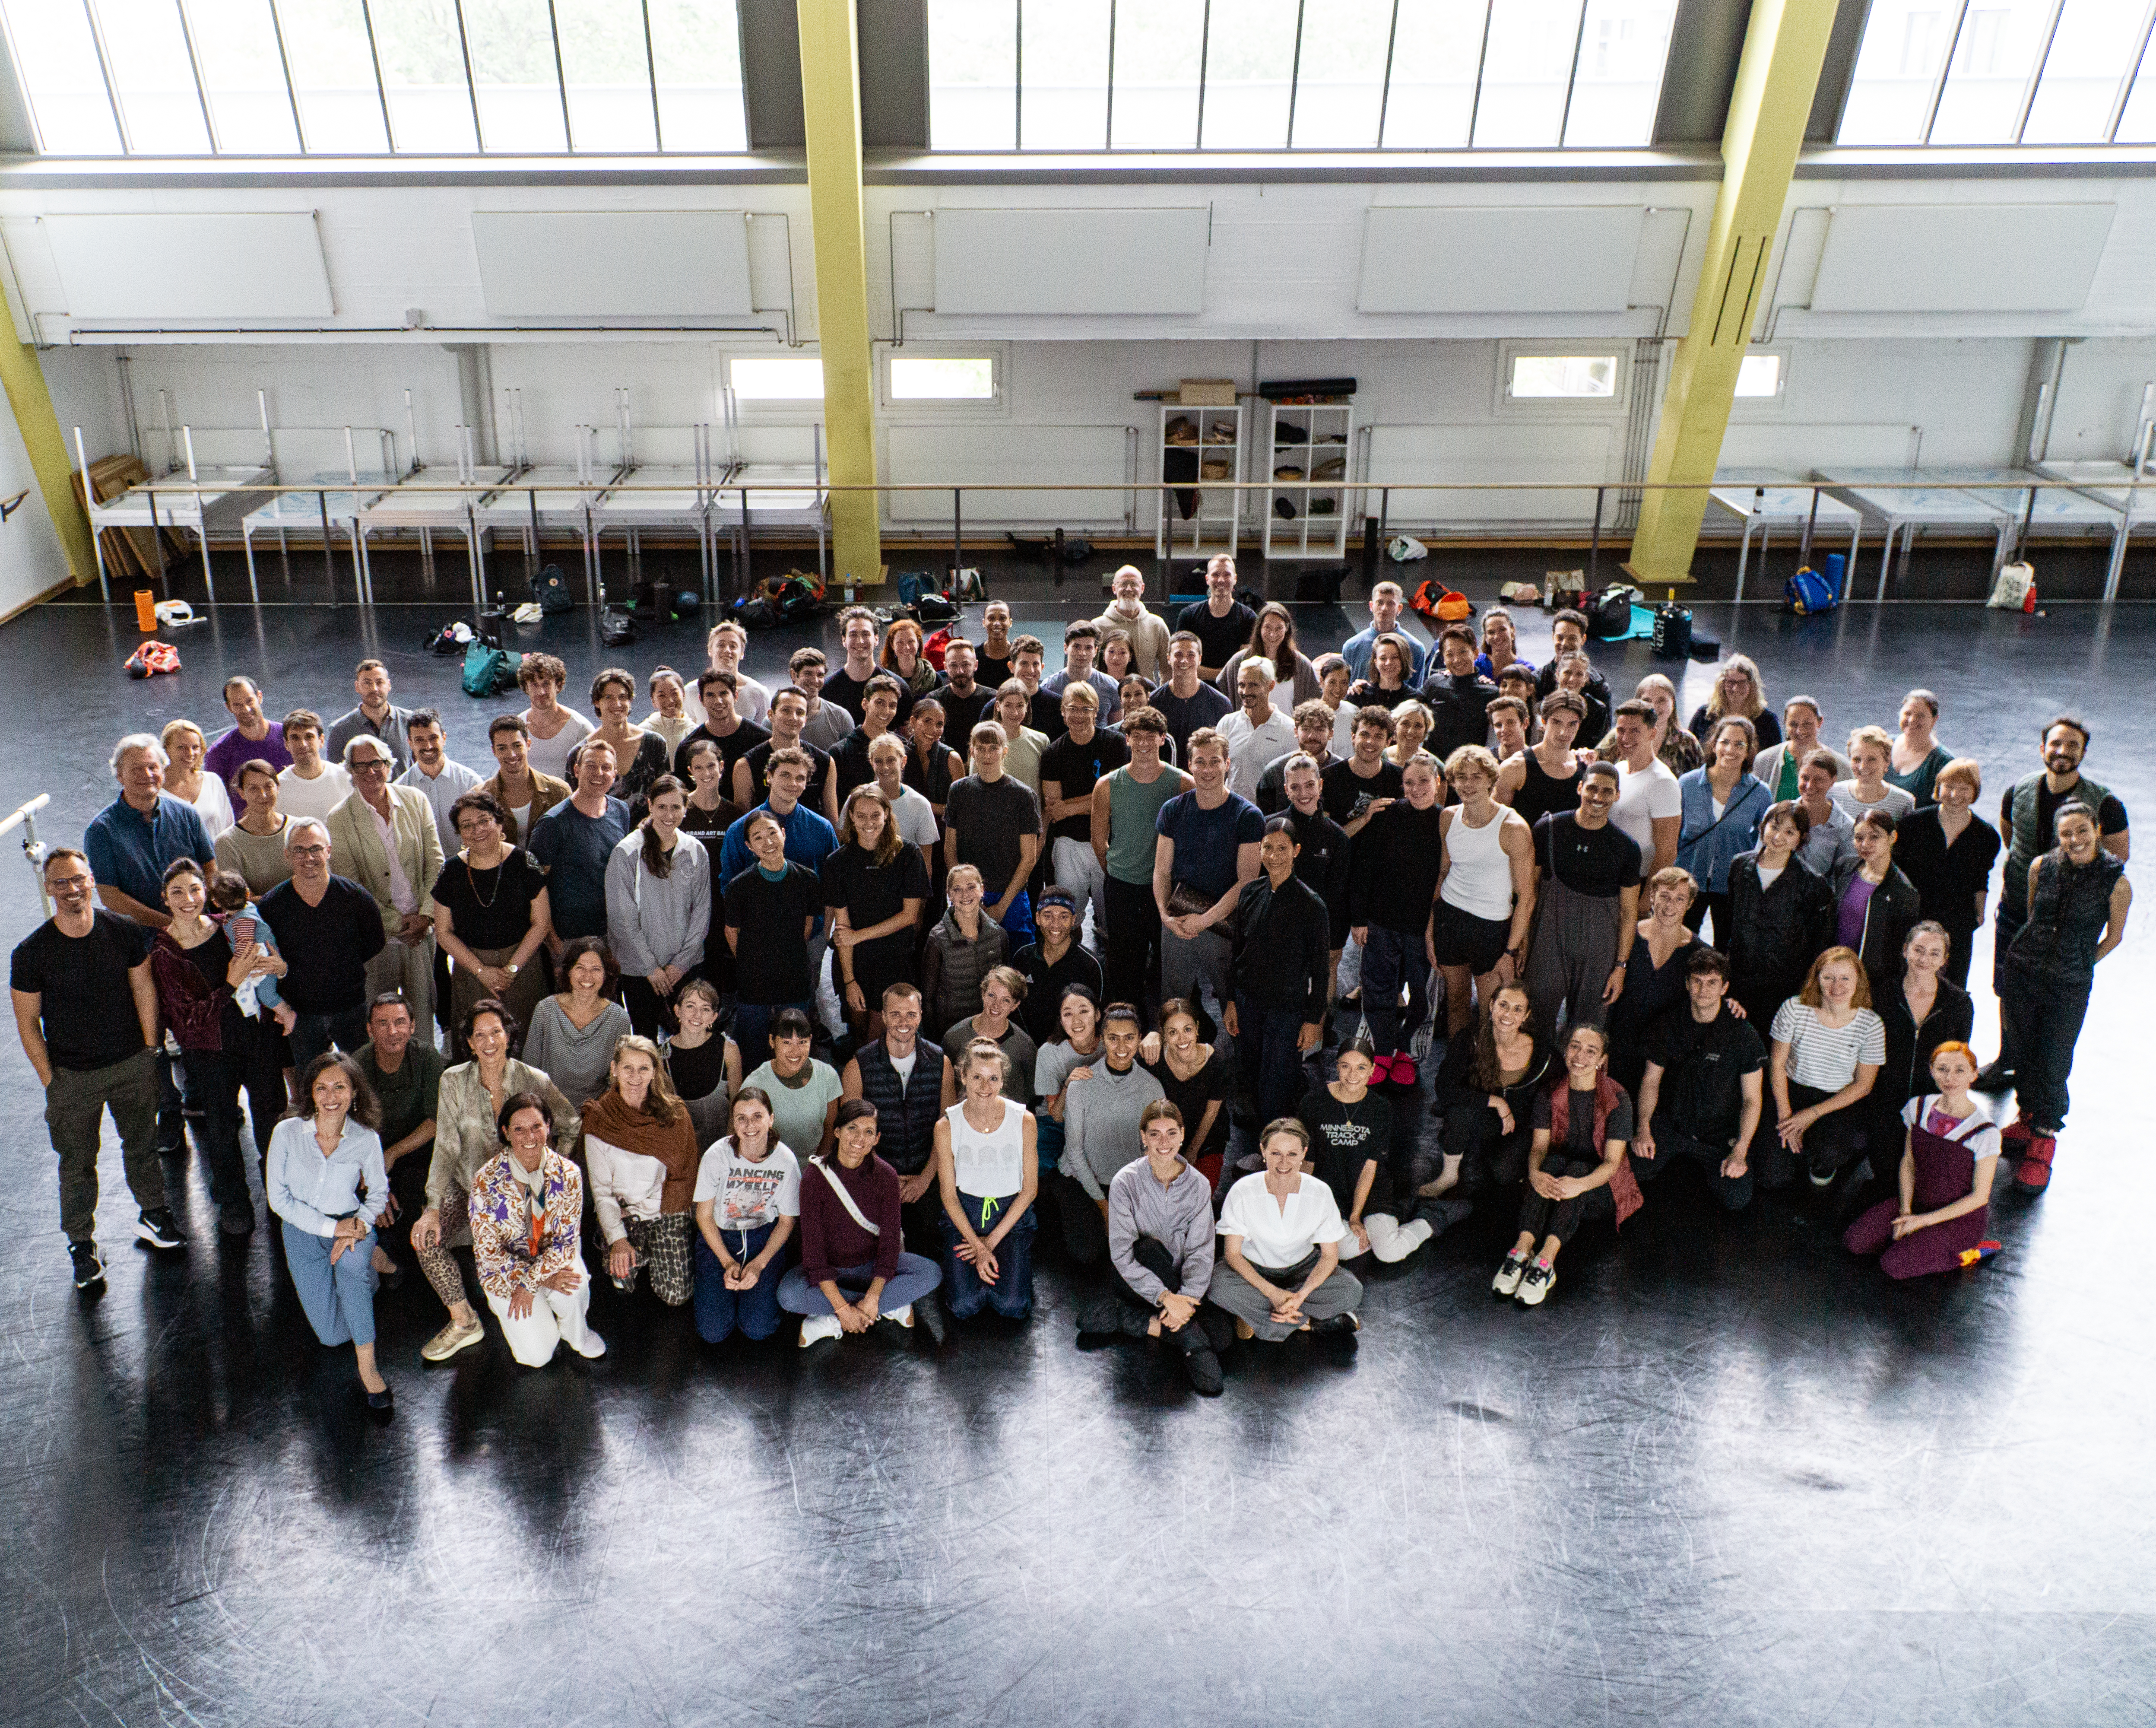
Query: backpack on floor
1672,632
1609,612
551,589
1810,594
489,668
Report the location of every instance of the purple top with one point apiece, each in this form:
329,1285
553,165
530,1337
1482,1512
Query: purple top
232,752
1855,901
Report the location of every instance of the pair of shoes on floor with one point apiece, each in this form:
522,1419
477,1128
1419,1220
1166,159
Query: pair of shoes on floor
1397,1069
1535,1283
451,1339
160,1229
2035,1175
1507,1280
89,1266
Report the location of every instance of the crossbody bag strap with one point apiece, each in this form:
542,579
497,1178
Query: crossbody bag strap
845,1196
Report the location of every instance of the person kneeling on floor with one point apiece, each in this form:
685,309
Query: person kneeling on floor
1950,1153
855,1270
1280,1270
527,1207
1576,1167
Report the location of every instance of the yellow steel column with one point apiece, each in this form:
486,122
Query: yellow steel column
24,381
1784,47
831,105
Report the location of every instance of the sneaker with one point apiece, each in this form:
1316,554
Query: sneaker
901,1316
593,1348
1820,1178
929,1312
2035,1175
816,1327
2017,1135
89,1269
1201,1369
160,1229
451,1339
1381,1070
1536,1284
236,1219
1507,1280
1403,1070
1339,1325
1995,1078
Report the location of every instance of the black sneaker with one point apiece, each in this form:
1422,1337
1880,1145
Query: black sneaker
160,1229
1340,1326
1201,1369
89,1269
1536,1284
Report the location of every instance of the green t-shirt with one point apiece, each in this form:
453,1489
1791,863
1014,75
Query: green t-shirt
1133,810
409,1096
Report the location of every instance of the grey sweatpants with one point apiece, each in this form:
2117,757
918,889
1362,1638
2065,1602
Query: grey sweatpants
1339,1295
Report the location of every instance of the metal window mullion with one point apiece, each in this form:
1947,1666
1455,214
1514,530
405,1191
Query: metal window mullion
561,79
381,84
194,66
284,63
1385,90
1295,70
651,71
104,68
1578,43
471,82
1108,123
1946,71
1204,51
1017,74
1481,60
2036,72
2133,77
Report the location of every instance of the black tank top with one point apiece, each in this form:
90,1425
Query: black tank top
1544,794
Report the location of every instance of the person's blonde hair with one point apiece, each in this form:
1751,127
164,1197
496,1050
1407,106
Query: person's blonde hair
1472,757
1963,768
165,738
661,1104
1876,736
1741,663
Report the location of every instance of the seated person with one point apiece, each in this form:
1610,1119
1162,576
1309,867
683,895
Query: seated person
987,1170
1104,1105
804,1093
748,1194
1280,1230
855,1270
1350,1137
1827,1047
1160,1251
640,1148
1576,1168
1950,1153
527,1205
1704,1088
1486,1092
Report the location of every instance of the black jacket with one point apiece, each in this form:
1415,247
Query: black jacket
1282,946
1323,862
1392,883
1460,710
1774,933
1908,1072
1895,906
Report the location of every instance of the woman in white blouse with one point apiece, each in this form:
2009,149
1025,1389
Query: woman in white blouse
1280,1270
186,779
1827,1047
325,1182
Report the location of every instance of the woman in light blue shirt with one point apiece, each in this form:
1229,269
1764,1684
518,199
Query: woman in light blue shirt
326,1183
1723,806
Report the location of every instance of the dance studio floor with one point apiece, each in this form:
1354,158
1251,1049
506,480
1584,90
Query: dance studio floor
1726,1476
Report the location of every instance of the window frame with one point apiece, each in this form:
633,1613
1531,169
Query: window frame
1617,402
992,406
1773,402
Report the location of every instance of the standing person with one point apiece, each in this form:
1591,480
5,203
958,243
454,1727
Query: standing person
1257,734
185,779
469,1103
640,1148
574,1030
1777,765
1947,851
703,1063
492,914
854,1269
1357,789
1390,681
374,716
911,813
1387,603
1069,770
1104,1102
1703,1089
1208,848
441,781
523,793
1781,915
771,908
1649,807
328,928
1411,729
1720,814
965,945
311,786
996,653
1500,645
1219,624
1185,701
1028,720
1081,643
1587,907
1544,779
965,701
1655,980
198,970
1509,728
1312,722
849,761
931,765
789,716
1335,679
384,836
1950,1154
1830,835
874,886
669,718
1869,751
723,724
1322,858
1392,897
1916,758
1920,1010
251,736
1125,831
2078,897
527,1208
1052,962
1576,673
748,1196
1457,696
911,1082
994,1021
1875,903
993,824
1280,937
826,722
809,839
1291,677
901,657
133,840
405,1073
1280,1231
1568,637
1485,1097
659,907
1577,1169
640,757
1079,1022
988,1173
848,685
1351,1140
710,811
1485,888
326,1185
1827,1049
68,979
1679,750
803,1092
574,843
723,649
1128,612
253,848
1738,691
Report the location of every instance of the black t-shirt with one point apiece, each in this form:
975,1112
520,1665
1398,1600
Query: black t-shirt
1597,862
326,947
1211,1083
1346,794
1950,880
961,714
85,1005
1221,637
845,689
1042,1011
1580,1138
735,745
1345,1137
991,670
1043,714
759,772
2110,815
1206,706
1703,1068
771,961
992,819
870,892
491,908
1074,768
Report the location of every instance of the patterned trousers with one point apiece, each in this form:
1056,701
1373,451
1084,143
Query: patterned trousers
662,1246
437,1263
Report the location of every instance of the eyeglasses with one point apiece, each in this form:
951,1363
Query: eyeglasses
307,851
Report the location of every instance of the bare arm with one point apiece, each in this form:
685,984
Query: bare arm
1100,834
1666,842
2114,930
144,988
28,1027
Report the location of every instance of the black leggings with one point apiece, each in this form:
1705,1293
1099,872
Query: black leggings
1473,1134
1133,945
1154,1256
1832,1144
1562,1218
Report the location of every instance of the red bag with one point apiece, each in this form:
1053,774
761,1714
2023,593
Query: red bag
932,651
1442,606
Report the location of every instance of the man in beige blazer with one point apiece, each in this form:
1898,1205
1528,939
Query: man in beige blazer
383,837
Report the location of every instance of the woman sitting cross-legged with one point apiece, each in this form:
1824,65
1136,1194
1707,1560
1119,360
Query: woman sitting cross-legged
640,1148
748,1194
325,1184
1950,1152
1280,1229
528,1207
855,1270
988,1168
1826,1049
1351,1142
1485,1091
1576,1167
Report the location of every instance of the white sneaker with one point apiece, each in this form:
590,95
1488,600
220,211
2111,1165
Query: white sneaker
902,1316
815,1328
593,1348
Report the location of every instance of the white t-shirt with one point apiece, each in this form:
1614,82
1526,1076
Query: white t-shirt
1641,798
1252,749
1276,1236
746,1195
551,755
315,798
916,817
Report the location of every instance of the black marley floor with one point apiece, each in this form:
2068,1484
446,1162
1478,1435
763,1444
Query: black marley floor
1725,1476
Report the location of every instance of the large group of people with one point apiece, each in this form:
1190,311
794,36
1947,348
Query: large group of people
819,997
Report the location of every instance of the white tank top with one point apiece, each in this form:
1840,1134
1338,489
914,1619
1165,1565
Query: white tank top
992,1165
1480,881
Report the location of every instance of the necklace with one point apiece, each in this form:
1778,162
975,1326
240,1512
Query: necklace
487,904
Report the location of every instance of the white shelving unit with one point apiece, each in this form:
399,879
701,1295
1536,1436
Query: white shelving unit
1215,437
1306,456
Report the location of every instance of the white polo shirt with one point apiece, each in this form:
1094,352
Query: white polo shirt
1279,1235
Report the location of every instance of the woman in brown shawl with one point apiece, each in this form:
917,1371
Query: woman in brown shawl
641,1152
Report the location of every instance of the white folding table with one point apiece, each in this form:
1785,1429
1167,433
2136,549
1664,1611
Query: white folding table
1764,502
1902,503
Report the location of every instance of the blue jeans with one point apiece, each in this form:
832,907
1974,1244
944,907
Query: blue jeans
1391,957
751,1029
314,1033
1272,1066
1011,1295
913,1279
720,1312
339,1299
